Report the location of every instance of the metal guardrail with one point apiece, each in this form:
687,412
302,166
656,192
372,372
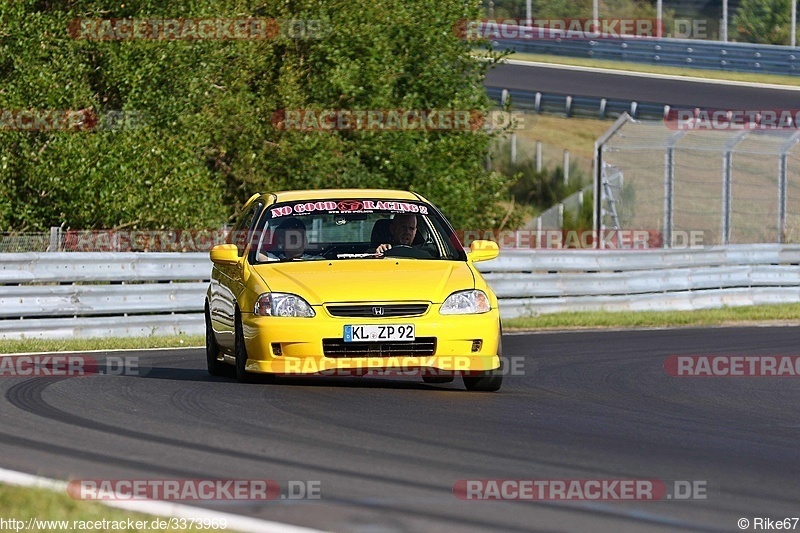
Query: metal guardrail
579,106
711,55
62,295
93,294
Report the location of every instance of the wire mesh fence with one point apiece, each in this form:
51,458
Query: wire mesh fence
715,187
61,240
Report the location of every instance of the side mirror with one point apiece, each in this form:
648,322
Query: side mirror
225,254
483,251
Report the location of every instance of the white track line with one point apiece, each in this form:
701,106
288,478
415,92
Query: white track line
616,72
160,508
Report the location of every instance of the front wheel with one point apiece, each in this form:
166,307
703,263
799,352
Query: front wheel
488,381
214,365
240,350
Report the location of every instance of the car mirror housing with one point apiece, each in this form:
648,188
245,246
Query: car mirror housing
483,251
225,254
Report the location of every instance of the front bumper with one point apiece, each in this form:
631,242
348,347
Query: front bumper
301,346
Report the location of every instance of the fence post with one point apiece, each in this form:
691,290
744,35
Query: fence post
566,167
669,188
727,158
782,172
55,239
514,147
539,232
538,156
781,197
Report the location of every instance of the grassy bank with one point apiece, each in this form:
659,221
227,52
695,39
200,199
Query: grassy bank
74,345
56,511
727,316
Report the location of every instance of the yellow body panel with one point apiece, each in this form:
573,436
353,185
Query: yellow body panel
388,280
301,343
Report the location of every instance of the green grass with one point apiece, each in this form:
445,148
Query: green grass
23,503
654,69
560,133
727,316
74,345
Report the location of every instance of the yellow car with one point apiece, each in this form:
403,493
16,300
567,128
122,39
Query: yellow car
351,282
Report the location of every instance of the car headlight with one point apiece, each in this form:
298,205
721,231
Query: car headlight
282,304
466,303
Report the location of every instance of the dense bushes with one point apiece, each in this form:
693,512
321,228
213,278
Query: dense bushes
206,139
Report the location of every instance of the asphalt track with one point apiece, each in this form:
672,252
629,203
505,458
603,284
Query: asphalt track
588,405
677,93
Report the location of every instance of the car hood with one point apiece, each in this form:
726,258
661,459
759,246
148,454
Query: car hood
368,280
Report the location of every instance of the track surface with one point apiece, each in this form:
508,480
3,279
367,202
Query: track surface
673,92
388,451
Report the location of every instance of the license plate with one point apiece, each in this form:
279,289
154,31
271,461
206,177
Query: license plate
394,332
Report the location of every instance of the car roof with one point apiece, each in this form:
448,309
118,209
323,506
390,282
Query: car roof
322,194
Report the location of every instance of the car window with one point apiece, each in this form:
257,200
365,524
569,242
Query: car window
351,229
243,227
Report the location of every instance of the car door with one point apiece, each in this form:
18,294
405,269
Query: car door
226,280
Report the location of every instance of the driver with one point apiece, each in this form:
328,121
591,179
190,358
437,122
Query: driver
289,241
403,229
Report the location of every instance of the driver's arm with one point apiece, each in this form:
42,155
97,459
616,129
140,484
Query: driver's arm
382,248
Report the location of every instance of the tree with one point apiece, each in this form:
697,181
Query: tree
764,21
207,139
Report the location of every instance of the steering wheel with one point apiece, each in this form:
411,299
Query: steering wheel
404,250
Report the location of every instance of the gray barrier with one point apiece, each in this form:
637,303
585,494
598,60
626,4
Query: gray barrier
711,55
64,295
578,106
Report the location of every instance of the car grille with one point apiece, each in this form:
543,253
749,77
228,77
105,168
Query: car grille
386,311
419,347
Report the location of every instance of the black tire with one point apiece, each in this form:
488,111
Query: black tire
486,381
240,351
215,366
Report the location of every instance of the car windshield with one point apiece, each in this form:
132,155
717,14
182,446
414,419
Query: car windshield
314,230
